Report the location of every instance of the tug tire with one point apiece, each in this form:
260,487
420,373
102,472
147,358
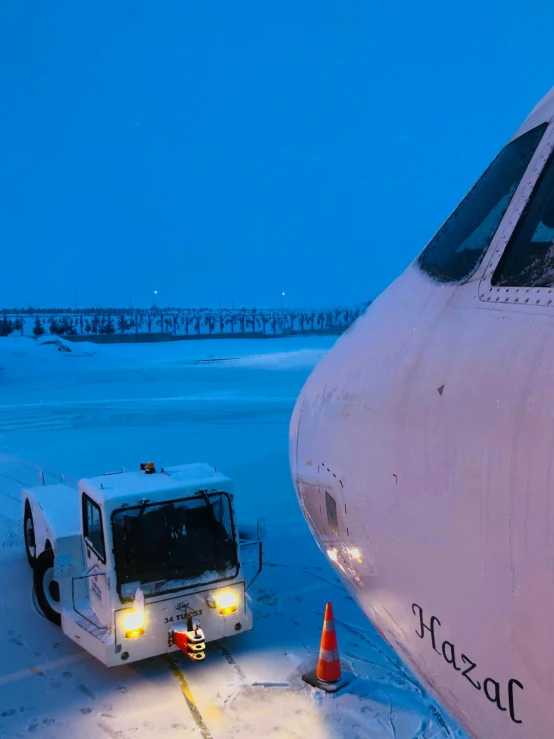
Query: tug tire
29,536
47,590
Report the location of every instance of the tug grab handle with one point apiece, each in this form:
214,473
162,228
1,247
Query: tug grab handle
258,544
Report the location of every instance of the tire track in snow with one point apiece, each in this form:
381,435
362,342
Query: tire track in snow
8,495
232,661
14,536
11,533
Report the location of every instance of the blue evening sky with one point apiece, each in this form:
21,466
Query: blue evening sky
232,150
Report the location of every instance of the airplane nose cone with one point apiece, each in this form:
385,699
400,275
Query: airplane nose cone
316,454
348,428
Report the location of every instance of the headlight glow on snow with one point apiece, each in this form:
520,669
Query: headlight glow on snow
133,623
227,601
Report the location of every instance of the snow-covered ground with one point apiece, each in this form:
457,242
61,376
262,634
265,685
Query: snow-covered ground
96,408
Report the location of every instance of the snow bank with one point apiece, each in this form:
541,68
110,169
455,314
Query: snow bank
22,357
82,349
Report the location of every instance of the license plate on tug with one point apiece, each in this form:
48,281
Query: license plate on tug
183,616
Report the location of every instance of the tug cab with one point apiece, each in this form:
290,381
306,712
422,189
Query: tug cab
135,564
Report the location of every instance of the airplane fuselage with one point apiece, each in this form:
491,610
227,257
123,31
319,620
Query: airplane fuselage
422,451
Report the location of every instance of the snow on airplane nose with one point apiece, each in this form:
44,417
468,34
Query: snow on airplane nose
421,450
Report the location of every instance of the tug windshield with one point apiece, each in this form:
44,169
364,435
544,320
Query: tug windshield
173,545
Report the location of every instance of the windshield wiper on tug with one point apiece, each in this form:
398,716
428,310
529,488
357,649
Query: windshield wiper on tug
213,521
131,527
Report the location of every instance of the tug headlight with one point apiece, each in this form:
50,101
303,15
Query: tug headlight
226,601
133,623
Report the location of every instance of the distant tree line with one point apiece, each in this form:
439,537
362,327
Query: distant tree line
185,321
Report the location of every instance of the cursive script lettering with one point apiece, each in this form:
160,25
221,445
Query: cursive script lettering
511,684
423,626
451,657
471,667
491,688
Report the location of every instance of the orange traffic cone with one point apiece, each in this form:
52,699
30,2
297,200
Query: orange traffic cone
328,664
328,673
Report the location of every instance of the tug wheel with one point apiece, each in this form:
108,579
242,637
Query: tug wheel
29,535
47,590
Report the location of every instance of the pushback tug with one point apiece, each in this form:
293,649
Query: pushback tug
136,564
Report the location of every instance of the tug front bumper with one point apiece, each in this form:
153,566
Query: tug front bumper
167,622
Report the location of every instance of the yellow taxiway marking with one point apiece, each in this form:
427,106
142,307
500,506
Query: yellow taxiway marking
38,670
189,698
214,712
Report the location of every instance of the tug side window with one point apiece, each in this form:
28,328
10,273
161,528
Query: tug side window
457,249
92,527
332,518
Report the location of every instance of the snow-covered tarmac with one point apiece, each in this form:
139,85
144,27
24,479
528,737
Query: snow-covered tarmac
227,402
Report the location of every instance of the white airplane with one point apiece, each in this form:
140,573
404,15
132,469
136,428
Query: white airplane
422,450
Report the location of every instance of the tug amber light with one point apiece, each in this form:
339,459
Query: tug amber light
227,602
133,623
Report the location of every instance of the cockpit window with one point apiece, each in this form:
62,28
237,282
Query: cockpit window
455,252
528,260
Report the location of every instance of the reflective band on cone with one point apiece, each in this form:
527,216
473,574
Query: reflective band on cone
328,664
